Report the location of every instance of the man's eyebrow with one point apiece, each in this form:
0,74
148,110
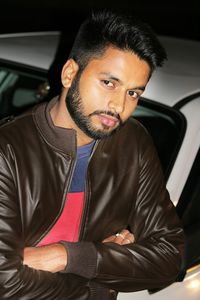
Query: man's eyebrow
110,76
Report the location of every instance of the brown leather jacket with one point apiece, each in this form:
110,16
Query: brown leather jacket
124,189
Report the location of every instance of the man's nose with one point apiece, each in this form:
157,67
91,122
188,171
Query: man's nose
117,104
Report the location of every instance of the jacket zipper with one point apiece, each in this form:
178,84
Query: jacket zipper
86,200
73,164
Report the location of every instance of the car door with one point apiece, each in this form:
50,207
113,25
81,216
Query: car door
20,88
183,179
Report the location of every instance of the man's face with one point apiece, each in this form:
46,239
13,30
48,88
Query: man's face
105,94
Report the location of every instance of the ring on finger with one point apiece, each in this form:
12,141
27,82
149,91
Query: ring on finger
119,234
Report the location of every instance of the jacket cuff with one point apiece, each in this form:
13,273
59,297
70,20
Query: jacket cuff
98,292
81,259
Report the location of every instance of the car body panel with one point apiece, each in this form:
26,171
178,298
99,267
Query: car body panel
188,289
181,72
188,150
31,49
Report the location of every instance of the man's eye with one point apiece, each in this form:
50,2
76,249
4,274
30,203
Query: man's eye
133,94
108,83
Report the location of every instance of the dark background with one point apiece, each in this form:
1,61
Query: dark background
175,18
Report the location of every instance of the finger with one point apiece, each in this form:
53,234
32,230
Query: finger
125,237
126,242
124,232
129,236
122,238
119,237
109,239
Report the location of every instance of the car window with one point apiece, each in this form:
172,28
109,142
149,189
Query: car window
188,209
167,128
20,90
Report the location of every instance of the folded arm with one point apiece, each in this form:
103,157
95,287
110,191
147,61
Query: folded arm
53,257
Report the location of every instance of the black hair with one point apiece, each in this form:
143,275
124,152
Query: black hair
104,28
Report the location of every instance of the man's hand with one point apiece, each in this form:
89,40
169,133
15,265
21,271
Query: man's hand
52,258
124,237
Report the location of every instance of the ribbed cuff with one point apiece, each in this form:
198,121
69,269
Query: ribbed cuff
98,292
81,259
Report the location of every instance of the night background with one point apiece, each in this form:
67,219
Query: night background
175,18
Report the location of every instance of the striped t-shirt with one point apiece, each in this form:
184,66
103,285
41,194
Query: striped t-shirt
67,226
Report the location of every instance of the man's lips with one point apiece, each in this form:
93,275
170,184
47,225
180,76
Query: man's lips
108,120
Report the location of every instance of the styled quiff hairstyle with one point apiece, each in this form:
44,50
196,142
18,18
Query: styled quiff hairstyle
105,28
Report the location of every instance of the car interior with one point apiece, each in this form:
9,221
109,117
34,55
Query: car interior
166,128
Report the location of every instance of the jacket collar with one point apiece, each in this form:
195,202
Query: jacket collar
63,139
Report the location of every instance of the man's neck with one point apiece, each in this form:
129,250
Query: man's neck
61,118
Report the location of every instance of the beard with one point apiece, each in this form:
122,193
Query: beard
75,108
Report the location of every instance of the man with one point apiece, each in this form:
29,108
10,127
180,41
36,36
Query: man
84,208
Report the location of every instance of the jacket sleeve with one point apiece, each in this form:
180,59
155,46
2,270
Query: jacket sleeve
18,281
153,260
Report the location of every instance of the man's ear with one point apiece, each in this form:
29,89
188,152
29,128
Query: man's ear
68,73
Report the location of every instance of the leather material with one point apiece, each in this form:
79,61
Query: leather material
124,188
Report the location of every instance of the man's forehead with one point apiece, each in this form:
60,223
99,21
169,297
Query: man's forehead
119,65
113,56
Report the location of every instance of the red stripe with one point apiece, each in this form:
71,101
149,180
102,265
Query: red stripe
68,225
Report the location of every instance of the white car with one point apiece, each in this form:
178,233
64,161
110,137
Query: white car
169,108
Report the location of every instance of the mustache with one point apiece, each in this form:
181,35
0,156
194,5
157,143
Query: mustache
106,112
